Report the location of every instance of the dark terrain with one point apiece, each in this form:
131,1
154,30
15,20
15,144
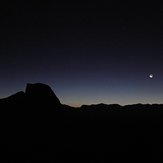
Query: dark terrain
35,126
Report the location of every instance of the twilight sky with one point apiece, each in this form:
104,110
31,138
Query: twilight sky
88,53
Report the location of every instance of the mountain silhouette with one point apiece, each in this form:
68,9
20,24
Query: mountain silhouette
39,92
36,126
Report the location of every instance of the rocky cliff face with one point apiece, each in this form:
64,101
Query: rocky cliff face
41,93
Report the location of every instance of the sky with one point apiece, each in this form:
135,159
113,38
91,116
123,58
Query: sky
87,52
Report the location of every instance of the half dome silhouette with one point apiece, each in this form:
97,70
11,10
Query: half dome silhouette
41,92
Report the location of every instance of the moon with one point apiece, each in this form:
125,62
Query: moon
151,76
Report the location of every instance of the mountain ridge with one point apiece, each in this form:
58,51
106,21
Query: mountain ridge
40,90
49,129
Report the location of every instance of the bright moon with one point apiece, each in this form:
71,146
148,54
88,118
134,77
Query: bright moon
151,76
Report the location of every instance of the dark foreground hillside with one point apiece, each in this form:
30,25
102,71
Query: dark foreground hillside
36,127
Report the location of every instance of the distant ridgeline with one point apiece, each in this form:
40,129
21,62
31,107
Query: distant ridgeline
36,121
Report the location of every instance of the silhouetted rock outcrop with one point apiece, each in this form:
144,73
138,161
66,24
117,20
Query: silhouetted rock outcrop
41,93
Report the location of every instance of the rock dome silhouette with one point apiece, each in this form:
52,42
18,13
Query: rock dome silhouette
40,91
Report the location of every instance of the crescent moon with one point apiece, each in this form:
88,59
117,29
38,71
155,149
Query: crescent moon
151,76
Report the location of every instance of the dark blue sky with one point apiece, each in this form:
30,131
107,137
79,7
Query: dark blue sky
88,53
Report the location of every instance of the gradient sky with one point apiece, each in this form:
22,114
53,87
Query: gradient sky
88,53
